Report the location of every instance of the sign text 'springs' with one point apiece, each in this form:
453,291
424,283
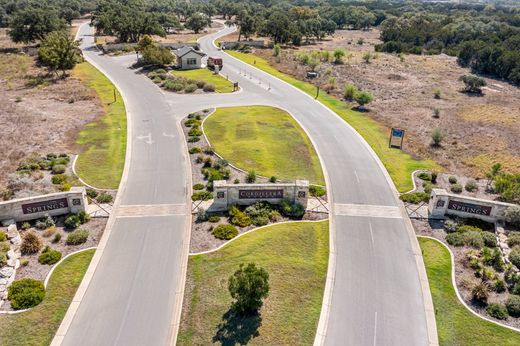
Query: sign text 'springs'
38,207
469,208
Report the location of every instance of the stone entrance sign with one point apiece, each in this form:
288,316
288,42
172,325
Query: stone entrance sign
442,202
31,208
247,194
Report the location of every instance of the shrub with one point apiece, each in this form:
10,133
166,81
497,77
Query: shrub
251,177
31,243
202,196
456,188
473,239
92,193
497,311
241,219
275,216
208,162
24,262
195,131
77,237
26,226
49,231
437,137
437,94
480,292
514,257
272,179
198,186
194,150
3,237
44,223
427,186
295,210
471,186
4,246
452,180
434,177
58,179
450,226
225,232
72,221
260,220
157,80
190,88
209,88
83,217
317,191
349,92
455,239
172,85
499,285
104,198
3,259
26,293
424,176
57,238
192,122
512,215
193,139
489,239
513,239
202,215
221,163
436,113
208,150
214,218
415,197
488,274
249,285
258,209
513,305
200,83
236,181
49,256
59,169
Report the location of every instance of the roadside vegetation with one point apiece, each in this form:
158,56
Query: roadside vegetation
295,255
455,324
399,164
249,137
219,83
43,320
103,142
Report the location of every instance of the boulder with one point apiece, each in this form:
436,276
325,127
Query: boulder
11,254
6,272
16,241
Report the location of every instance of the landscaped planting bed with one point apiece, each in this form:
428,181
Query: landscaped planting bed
207,228
191,81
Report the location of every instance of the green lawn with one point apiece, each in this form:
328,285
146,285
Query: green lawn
103,142
399,164
265,139
222,85
455,324
295,256
38,325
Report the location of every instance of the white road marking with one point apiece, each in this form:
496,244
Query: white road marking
147,137
151,210
167,135
367,210
357,178
371,233
375,328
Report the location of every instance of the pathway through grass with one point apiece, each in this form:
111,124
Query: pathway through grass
265,139
222,85
103,142
399,164
38,325
455,324
296,257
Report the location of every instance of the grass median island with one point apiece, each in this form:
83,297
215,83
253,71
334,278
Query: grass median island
455,324
222,85
295,255
38,325
103,142
264,139
399,164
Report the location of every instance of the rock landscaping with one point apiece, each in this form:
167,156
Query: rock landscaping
487,256
210,230
179,84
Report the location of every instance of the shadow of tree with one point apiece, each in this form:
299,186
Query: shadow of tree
236,329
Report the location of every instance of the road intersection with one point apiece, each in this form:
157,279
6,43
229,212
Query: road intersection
376,292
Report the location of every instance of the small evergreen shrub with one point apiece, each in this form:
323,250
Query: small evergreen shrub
455,239
83,217
77,237
49,232
26,293
92,193
427,187
200,83
489,239
225,232
214,218
456,188
251,177
452,180
513,239
425,176
497,311
295,210
317,191
194,150
514,257
415,197
105,198
31,243
260,220
450,226
59,169
3,259
499,285
59,179
57,238
209,88
26,226
195,131
72,221
272,179
193,139
44,223
202,196
190,88
49,256
513,305
198,187
471,186
3,237
241,219
275,216
202,215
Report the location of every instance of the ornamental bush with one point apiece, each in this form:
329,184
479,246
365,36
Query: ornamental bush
26,293
214,218
499,285
190,88
513,305
425,176
452,180
200,83
195,131
209,88
489,239
49,256
295,210
317,191
3,237
58,169
512,215
193,139
513,239
471,186
58,179
241,219
202,196
456,188
3,259
480,292
44,223
415,197
497,311
260,220
77,237
514,256
198,187
251,177
105,198
72,221
194,150
31,243
455,239
225,232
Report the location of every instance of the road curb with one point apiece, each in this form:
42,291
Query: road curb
454,284
80,293
82,181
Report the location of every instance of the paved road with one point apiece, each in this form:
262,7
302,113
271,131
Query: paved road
376,297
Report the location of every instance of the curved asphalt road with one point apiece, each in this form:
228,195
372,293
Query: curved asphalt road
131,300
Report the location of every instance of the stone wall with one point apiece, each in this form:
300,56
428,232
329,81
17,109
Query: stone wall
234,44
226,194
32,208
442,203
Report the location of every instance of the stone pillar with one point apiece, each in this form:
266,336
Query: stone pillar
301,192
220,196
438,203
77,199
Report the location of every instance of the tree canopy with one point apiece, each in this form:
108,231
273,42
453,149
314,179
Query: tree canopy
58,52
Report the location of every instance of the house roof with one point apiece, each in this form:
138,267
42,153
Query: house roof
185,50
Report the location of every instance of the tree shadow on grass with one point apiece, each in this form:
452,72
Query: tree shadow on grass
237,329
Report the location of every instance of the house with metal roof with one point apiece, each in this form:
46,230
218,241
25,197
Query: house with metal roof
188,58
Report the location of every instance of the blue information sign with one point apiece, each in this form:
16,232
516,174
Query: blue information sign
396,138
